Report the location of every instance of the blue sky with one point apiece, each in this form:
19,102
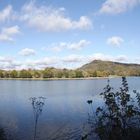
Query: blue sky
67,34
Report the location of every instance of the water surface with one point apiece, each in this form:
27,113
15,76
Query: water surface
65,111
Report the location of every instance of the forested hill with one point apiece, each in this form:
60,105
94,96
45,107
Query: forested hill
111,68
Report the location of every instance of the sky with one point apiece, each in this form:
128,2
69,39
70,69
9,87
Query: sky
68,34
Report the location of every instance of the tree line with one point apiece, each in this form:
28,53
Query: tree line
60,73
46,73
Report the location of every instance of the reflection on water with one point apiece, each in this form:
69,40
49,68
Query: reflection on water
63,117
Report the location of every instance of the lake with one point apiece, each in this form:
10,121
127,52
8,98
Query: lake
64,113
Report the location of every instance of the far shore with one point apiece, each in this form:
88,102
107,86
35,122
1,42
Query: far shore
51,79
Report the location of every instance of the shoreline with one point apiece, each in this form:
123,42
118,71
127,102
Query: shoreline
55,79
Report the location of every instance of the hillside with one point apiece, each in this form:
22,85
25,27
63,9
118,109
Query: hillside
111,68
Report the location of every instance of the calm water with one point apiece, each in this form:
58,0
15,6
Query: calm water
65,111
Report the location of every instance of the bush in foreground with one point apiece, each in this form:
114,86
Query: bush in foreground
119,117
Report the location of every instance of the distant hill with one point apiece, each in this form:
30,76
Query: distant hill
111,68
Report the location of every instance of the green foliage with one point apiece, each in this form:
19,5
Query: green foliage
36,74
6,74
1,74
79,74
59,74
25,74
48,73
94,74
72,74
14,74
65,73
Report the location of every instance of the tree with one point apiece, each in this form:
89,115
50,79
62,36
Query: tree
36,74
72,74
6,74
48,73
1,74
94,74
59,74
79,74
25,74
14,74
65,73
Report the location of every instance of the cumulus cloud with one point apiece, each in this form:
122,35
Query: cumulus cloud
70,61
47,61
6,13
73,58
79,45
40,63
118,6
115,41
79,60
7,63
50,19
7,34
27,52
57,47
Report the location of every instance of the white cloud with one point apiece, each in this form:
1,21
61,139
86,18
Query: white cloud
6,14
41,63
73,58
75,61
70,61
118,6
104,57
11,30
57,47
7,63
27,52
46,19
115,41
7,34
47,61
99,56
78,45
122,58
5,59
